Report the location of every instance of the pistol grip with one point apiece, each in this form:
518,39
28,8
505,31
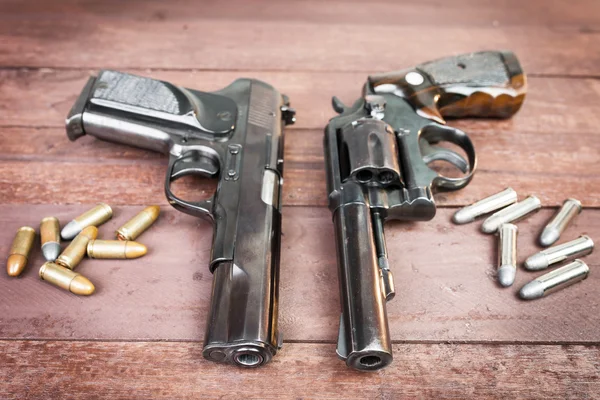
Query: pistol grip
484,84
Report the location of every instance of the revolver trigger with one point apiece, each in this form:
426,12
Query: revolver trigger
194,163
432,153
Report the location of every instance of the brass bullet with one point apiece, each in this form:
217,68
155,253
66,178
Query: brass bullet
50,234
19,252
115,249
66,279
75,251
94,217
138,224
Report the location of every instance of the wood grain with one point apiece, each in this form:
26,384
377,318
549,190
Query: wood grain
90,370
50,36
560,105
445,284
553,165
548,148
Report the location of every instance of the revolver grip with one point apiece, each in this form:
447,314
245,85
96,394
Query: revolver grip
364,338
488,84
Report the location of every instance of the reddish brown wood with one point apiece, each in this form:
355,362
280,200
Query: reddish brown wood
446,290
40,166
79,35
41,98
466,13
84,370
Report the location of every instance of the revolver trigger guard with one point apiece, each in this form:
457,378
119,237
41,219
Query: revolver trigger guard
432,153
434,133
175,170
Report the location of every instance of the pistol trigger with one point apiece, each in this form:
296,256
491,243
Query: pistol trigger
432,153
194,163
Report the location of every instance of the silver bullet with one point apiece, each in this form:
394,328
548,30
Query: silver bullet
511,214
555,280
507,254
94,217
579,247
485,206
569,210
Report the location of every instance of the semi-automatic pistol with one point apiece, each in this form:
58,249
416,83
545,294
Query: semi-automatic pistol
380,155
234,135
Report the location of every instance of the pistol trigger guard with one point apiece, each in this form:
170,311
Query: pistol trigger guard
201,209
434,133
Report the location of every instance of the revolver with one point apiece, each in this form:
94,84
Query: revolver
380,158
234,135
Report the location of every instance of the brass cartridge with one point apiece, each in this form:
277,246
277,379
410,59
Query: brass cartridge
138,224
66,279
115,249
75,251
94,217
19,251
50,234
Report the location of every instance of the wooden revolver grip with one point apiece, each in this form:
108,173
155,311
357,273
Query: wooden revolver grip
488,84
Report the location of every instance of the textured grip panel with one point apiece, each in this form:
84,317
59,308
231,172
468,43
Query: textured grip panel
137,91
485,84
476,69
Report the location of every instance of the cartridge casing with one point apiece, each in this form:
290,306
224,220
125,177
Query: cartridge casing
66,279
579,247
551,233
75,251
511,213
507,254
94,217
19,251
50,236
138,224
485,206
116,249
555,280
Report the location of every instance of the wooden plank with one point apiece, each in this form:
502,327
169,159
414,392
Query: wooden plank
446,290
190,38
465,13
41,165
567,106
84,370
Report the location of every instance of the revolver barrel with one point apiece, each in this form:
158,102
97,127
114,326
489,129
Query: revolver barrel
365,282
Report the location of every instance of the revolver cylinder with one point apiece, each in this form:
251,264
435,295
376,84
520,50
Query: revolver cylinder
370,151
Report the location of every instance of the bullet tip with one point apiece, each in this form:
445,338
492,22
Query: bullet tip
50,250
91,232
489,226
15,264
82,286
460,217
536,262
154,211
70,230
135,250
506,275
549,236
532,290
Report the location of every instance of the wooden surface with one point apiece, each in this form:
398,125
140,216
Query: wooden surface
457,334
